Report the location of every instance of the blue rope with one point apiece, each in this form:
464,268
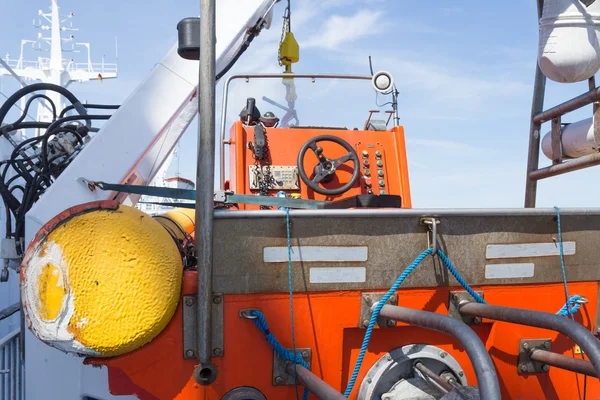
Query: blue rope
291,290
572,304
284,353
389,294
261,322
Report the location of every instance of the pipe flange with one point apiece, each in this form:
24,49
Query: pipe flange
398,364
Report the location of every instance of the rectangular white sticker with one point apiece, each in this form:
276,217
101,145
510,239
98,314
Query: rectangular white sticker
338,275
503,271
528,250
317,253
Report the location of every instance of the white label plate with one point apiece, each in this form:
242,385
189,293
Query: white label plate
317,253
338,275
504,271
528,250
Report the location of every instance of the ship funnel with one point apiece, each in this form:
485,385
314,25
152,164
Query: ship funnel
569,42
101,279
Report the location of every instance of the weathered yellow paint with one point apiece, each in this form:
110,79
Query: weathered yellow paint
123,274
51,291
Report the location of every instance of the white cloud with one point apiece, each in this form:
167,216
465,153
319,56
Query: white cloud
338,30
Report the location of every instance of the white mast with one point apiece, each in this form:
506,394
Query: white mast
56,69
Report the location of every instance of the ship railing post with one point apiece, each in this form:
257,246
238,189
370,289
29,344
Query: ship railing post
537,106
206,372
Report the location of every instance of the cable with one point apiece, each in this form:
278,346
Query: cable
95,106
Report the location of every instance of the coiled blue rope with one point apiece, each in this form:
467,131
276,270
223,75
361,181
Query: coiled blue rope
573,303
291,356
395,286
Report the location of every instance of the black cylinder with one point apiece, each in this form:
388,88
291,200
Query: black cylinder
188,31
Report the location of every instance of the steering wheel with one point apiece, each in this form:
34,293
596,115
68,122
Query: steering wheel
325,169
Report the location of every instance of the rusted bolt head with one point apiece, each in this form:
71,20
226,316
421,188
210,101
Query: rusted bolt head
525,345
218,352
546,368
305,354
365,323
523,368
217,299
368,300
461,373
189,353
391,323
189,301
278,380
547,344
476,320
455,297
443,354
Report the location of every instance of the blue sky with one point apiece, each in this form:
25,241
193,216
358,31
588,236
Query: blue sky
464,71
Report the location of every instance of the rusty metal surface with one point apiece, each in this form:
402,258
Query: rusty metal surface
455,298
367,301
281,375
557,149
525,364
190,317
572,165
394,239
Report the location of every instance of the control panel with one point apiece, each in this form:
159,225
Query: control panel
280,177
374,178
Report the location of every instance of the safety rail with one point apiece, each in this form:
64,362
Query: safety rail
69,65
12,370
539,116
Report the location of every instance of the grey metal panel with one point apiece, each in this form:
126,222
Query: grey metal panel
394,239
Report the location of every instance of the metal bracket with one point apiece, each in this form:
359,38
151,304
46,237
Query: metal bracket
280,375
190,326
431,224
525,364
455,298
557,153
596,114
367,301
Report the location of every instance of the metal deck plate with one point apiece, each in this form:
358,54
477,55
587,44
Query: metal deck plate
394,238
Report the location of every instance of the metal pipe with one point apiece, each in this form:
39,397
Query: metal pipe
568,166
316,385
563,362
205,183
581,336
487,379
223,129
537,106
410,213
568,106
433,376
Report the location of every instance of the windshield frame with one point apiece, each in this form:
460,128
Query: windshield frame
247,77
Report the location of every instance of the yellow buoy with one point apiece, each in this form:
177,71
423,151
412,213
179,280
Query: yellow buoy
101,279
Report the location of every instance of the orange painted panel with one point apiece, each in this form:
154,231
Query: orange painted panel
285,143
328,324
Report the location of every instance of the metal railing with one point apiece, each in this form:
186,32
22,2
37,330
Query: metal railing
68,65
12,369
560,164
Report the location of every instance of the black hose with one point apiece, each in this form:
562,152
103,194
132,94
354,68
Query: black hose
12,100
578,333
487,379
28,104
95,106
